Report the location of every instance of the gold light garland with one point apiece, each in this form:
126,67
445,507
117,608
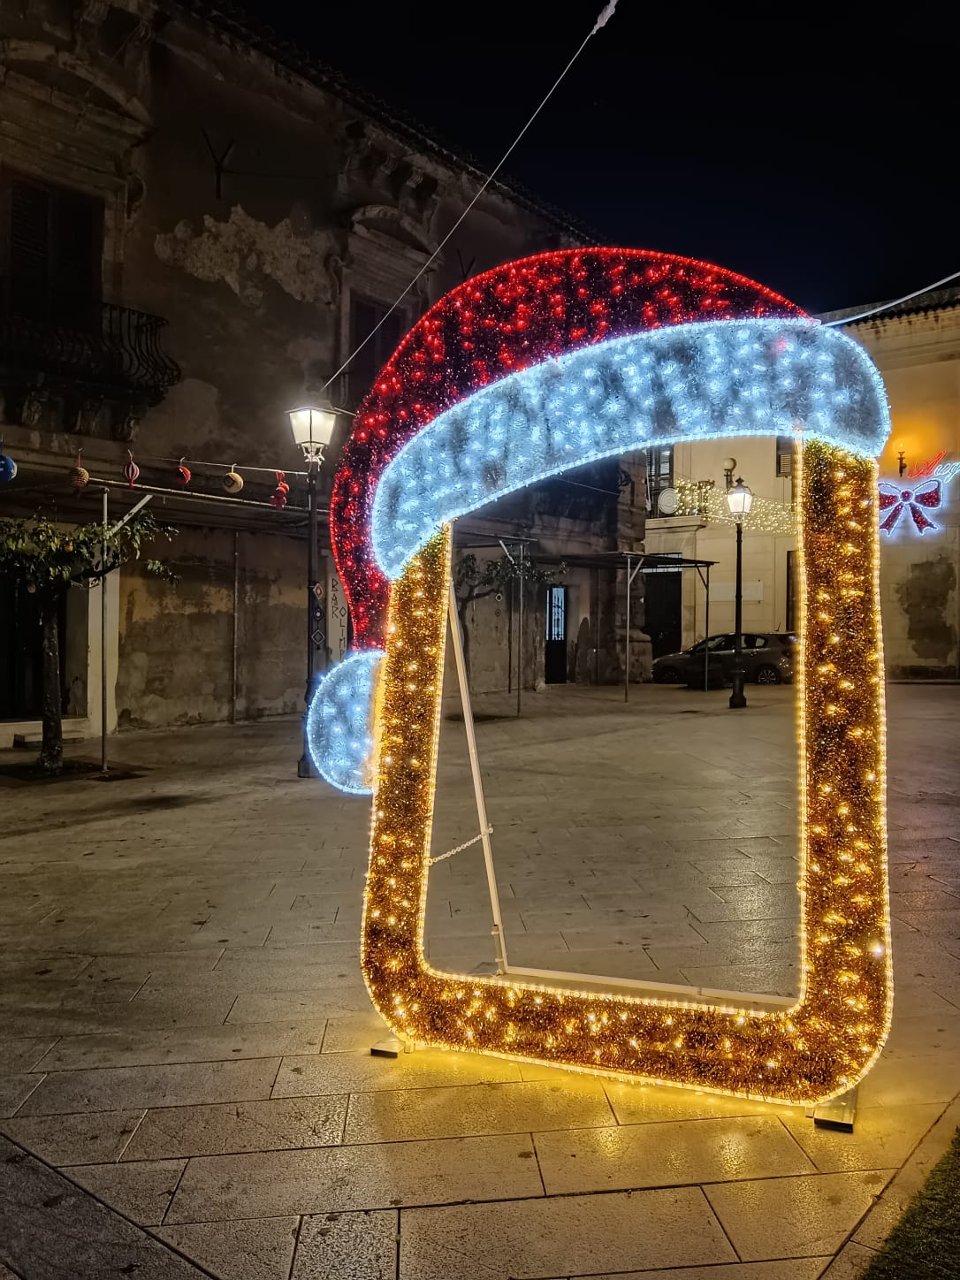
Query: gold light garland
702,498
812,1051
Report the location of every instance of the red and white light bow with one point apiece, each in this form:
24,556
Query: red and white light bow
895,501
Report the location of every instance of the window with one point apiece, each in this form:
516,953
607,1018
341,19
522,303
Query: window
52,245
659,473
785,446
364,318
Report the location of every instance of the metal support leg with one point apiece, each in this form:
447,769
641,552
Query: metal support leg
477,780
839,1113
390,1047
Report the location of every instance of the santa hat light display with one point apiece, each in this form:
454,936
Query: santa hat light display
526,371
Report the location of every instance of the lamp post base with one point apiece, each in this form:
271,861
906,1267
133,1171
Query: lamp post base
305,768
737,697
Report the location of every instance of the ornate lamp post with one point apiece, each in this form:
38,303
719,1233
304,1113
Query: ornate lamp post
312,429
739,500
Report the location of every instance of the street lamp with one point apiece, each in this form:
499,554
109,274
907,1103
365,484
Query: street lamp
312,428
739,500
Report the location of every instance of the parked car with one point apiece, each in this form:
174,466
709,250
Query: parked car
767,659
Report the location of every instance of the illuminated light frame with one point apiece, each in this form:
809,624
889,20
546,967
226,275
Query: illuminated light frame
509,320
339,721
512,317
684,383
816,1049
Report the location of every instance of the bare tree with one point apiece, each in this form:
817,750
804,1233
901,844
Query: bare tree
476,579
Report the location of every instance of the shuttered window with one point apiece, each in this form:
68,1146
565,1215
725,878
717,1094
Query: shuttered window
785,456
364,317
52,250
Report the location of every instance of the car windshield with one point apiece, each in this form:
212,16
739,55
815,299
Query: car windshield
713,642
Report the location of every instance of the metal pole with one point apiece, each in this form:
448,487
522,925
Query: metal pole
304,767
468,725
626,659
103,637
520,637
736,697
706,623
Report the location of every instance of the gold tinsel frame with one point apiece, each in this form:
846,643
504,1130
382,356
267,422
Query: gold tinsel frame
830,1037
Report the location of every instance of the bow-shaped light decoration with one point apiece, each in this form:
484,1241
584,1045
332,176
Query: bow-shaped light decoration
895,501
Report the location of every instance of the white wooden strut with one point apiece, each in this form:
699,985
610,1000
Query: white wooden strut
457,638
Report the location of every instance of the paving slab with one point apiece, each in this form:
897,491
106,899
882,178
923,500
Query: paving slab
347,1246
794,1217
257,1249
51,1229
361,1073
141,1192
123,1088
15,1090
183,1045
562,1236
82,1138
667,1154
783,1269
237,1127
469,1110
380,1176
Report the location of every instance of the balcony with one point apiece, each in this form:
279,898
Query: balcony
94,368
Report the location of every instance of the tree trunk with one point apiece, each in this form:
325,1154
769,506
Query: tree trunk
51,750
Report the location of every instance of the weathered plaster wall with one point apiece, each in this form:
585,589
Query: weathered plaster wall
247,208
176,640
919,357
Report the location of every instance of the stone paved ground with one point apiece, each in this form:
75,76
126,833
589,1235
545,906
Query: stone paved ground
184,1029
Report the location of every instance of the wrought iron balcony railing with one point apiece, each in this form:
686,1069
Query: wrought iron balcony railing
97,349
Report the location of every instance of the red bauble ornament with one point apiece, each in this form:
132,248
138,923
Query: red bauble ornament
281,493
131,471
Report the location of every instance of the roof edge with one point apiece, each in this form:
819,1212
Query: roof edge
231,20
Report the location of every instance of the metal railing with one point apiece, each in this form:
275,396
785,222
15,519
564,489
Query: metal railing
97,347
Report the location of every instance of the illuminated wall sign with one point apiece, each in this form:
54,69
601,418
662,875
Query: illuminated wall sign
907,504
937,467
526,371
897,502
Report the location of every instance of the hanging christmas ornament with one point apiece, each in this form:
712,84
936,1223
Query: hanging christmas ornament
280,494
183,473
131,471
8,468
79,475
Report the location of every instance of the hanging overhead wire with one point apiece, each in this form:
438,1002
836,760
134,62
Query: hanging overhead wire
887,306
606,13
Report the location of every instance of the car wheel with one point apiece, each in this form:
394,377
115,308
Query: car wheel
768,674
668,675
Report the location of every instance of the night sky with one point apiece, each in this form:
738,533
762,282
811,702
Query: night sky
815,156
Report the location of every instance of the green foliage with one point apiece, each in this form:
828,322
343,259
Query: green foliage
49,557
474,579
925,1244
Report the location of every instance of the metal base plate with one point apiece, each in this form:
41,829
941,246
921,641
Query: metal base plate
839,1113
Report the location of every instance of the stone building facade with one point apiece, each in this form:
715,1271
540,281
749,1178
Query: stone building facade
917,350
196,226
